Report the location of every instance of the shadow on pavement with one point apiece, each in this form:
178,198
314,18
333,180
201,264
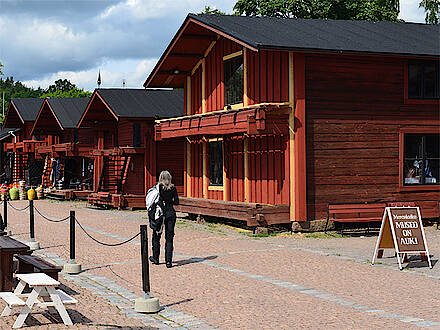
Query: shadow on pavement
192,260
178,302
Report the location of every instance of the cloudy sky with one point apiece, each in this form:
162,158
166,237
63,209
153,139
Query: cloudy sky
44,40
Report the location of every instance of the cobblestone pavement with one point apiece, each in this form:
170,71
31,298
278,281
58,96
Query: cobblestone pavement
222,278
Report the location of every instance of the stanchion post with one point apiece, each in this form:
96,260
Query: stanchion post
146,304
34,245
72,267
5,216
144,256
2,223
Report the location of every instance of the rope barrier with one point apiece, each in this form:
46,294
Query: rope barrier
17,209
50,219
102,243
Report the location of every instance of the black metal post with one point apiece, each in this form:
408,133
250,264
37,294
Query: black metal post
31,220
144,256
72,236
5,212
2,223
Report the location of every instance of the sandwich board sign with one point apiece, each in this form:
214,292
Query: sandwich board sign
402,230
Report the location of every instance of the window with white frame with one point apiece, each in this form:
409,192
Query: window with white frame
421,159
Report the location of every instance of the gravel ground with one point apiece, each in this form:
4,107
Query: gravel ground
224,278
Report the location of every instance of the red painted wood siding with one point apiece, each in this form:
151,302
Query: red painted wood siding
355,109
235,167
125,131
87,136
196,170
268,73
170,157
135,182
196,91
268,169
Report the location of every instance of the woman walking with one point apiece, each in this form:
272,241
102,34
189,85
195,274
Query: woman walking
167,198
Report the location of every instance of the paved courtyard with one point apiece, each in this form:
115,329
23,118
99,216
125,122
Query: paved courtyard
224,278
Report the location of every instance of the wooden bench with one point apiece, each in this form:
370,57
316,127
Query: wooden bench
355,213
101,198
33,264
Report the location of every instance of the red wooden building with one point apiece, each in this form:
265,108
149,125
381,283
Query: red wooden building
127,159
66,146
284,116
20,147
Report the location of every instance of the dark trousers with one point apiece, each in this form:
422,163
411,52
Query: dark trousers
170,222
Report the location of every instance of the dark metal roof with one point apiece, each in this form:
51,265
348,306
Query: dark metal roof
329,35
143,103
27,108
68,110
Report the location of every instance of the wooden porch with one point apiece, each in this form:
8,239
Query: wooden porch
119,201
255,214
68,149
23,146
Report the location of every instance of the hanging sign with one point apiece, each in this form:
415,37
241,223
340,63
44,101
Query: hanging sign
402,230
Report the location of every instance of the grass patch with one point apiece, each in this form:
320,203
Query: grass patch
323,235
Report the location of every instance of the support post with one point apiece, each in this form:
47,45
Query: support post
292,137
72,267
2,223
5,212
188,169
246,168
34,245
146,304
205,169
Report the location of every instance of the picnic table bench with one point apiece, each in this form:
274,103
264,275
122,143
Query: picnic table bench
354,213
33,264
9,247
43,294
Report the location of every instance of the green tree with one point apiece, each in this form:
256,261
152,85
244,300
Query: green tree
1,72
432,10
74,92
212,11
63,85
13,89
377,10
64,88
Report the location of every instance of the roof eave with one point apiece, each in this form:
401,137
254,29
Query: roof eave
194,19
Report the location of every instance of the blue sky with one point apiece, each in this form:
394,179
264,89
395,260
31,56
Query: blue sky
44,40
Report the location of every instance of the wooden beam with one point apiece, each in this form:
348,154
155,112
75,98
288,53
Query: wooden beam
188,96
186,55
188,169
207,51
203,86
226,183
212,113
246,168
292,137
205,169
174,72
300,139
232,55
245,78
198,36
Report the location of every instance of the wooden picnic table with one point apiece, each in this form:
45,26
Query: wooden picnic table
44,295
9,247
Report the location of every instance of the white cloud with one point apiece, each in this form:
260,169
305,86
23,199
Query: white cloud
147,9
134,76
410,11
